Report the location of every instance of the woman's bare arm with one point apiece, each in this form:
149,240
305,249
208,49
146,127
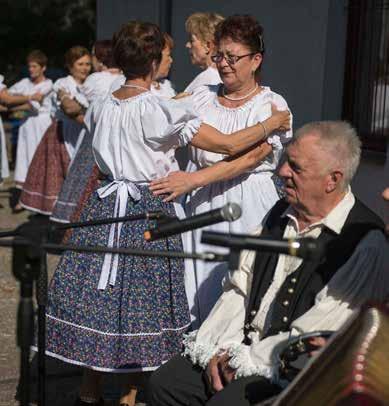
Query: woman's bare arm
179,183
210,139
22,107
11,100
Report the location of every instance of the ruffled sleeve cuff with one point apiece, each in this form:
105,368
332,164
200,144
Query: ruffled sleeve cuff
168,124
199,353
274,141
189,130
241,361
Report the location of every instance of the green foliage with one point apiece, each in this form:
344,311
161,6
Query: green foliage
50,25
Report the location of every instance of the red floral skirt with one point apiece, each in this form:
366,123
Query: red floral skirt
47,172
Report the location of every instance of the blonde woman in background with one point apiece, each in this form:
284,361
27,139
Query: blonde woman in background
201,30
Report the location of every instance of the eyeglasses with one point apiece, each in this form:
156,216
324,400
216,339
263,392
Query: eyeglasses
230,59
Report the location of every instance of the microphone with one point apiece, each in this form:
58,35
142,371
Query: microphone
307,248
229,212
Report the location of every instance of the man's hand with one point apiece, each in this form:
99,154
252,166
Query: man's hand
219,372
318,342
213,374
227,373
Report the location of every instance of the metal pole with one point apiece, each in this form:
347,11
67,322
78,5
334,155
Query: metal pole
25,320
41,296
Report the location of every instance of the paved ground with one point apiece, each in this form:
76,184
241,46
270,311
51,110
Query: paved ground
62,379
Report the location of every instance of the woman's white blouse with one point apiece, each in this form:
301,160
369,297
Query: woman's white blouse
132,138
163,88
132,143
71,129
70,86
228,120
98,84
26,87
209,76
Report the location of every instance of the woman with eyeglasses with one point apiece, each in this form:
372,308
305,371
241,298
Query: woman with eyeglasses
248,180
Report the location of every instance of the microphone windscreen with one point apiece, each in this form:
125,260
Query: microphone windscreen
231,212
311,249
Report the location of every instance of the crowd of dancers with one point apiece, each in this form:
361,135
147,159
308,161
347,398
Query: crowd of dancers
103,144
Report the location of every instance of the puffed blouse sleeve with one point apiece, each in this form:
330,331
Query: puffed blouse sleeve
18,87
168,124
73,91
278,138
89,89
202,96
94,87
45,88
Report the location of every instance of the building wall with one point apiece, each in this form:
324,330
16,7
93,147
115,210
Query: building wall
371,179
305,56
304,42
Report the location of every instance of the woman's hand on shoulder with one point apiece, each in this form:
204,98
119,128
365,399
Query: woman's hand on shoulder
174,185
280,120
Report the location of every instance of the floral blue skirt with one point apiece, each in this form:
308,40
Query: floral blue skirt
135,325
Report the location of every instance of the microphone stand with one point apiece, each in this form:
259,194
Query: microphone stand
29,264
24,267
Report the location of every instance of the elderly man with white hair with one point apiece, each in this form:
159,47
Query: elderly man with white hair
232,358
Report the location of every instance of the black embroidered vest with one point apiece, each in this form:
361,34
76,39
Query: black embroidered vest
297,294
